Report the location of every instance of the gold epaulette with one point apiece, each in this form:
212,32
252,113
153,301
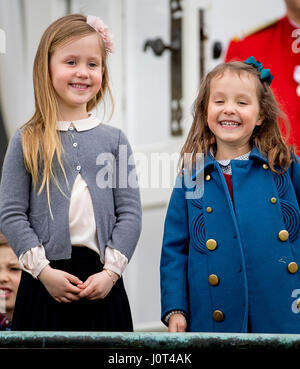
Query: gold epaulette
260,27
253,30
236,38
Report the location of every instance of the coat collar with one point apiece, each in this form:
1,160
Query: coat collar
210,161
258,155
255,154
80,125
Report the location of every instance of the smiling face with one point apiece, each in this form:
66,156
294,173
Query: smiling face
233,113
76,74
10,274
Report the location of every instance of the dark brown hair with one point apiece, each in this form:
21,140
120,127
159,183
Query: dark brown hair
3,240
267,137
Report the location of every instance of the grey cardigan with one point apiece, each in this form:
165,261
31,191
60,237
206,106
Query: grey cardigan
98,155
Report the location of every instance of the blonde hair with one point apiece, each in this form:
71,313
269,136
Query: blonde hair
40,139
267,137
3,240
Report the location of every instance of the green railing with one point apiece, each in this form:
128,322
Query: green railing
149,349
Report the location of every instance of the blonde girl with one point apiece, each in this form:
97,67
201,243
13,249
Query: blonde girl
73,232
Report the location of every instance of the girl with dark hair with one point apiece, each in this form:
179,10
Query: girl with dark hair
231,245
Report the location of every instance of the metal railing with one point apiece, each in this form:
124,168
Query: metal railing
151,348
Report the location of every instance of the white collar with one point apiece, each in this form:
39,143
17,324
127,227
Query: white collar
80,125
226,162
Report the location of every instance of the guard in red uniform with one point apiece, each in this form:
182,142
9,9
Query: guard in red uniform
277,45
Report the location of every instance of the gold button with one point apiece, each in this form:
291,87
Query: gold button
218,315
283,235
265,166
292,267
209,209
211,244
213,280
208,177
273,200
298,304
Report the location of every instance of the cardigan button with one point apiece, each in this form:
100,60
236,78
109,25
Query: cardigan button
207,177
78,167
211,244
265,166
283,235
292,267
209,209
218,315
273,200
298,303
213,280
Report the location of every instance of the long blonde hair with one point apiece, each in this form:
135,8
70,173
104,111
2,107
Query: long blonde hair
3,240
267,137
40,139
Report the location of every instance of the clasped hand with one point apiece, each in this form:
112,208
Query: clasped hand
65,287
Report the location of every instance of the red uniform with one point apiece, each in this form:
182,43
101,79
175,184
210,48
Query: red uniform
277,47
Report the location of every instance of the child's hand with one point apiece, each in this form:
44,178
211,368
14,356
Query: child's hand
177,323
97,286
59,284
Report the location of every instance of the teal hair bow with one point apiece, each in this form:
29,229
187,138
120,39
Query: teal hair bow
265,74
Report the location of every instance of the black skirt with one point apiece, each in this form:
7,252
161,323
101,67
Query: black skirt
36,309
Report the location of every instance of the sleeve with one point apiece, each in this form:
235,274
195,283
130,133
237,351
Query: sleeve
115,261
174,255
14,199
34,260
128,211
168,316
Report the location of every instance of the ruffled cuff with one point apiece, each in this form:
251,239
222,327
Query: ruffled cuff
115,261
34,260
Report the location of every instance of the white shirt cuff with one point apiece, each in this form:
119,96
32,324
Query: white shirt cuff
115,260
34,260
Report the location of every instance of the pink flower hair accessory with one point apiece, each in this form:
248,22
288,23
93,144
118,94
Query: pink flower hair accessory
103,30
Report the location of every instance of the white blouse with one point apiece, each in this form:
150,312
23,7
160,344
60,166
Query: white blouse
82,224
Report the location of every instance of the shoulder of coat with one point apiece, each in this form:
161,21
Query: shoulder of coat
253,30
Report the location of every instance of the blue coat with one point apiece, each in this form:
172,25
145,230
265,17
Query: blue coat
226,263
